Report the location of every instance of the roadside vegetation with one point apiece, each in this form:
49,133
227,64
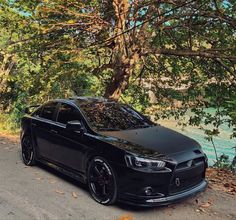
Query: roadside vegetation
163,57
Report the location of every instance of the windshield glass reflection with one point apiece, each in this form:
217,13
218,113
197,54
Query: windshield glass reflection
112,116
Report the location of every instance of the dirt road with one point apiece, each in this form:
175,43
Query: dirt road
40,193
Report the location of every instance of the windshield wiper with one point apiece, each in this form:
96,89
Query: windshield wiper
140,126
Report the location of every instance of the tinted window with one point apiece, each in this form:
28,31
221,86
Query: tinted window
113,116
48,110
67,113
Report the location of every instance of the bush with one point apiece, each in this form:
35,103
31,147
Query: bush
8,123
224,163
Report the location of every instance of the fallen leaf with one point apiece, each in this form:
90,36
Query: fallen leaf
205,205
74,195
53,181
210,171
233,190
39,178
59,192
226,185
126,217
218,178
202,210
210,201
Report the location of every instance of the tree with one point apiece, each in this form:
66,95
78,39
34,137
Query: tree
123,35
182,51
13,28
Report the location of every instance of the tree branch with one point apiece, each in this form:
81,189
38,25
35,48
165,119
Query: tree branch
226,67
189,53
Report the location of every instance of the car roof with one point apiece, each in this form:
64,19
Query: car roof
81,100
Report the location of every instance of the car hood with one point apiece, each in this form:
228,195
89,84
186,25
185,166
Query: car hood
157,140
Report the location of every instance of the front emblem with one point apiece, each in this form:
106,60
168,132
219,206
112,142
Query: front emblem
190,163
177,181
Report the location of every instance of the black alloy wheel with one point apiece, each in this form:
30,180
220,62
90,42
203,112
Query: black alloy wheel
28,154
102,181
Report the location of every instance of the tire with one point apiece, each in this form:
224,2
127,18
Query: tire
27,151
102,181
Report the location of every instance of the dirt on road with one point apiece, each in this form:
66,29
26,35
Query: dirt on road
41,193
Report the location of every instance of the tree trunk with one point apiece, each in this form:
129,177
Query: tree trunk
115,88
121,62
123,70
118,83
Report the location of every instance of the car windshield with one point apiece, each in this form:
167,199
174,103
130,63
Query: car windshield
111,116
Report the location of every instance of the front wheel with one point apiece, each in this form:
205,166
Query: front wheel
102,181
28,154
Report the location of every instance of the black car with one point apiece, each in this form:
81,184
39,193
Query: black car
117,151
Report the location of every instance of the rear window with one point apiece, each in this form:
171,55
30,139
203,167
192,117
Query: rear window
48,110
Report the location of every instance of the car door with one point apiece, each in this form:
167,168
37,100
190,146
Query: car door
42,130
69,146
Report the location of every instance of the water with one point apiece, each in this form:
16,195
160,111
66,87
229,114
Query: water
223,143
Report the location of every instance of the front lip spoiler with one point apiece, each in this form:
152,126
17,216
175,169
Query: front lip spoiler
168,199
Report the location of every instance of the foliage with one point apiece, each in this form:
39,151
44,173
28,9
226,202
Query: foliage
224,163
180,53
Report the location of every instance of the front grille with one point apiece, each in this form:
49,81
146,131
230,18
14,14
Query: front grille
185,184
186,176
195,162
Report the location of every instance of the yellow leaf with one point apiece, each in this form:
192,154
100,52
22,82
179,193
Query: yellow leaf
206,205
39,178
74,195
59,192
70,22
126,217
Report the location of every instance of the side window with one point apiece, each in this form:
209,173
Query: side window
48,110
67,113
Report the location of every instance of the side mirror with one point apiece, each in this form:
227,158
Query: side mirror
74,126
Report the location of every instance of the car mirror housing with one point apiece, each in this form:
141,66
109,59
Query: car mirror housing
74,126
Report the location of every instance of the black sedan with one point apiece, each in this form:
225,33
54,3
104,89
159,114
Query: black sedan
117,151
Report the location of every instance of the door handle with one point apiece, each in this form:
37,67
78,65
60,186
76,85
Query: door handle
54,131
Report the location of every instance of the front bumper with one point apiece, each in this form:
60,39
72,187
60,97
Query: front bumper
150,201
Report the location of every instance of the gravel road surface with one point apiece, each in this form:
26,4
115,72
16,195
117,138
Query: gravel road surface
41,193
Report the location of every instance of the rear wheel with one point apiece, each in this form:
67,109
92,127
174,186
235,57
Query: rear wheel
28,154
102,181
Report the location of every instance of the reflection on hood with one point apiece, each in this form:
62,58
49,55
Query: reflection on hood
153,141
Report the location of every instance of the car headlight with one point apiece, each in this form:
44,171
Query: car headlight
139,162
